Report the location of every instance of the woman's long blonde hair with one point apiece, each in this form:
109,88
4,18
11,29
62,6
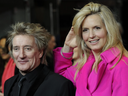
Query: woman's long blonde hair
112,27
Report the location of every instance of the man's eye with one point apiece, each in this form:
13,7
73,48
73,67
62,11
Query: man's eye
15,49
28,49
84,30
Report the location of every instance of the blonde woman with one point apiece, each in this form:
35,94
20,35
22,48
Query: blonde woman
103,63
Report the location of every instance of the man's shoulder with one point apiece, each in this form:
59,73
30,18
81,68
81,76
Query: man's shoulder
55,85
53,76
57,77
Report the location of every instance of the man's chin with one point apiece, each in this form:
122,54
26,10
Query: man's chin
23,72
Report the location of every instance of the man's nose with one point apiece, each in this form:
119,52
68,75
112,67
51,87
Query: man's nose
22,54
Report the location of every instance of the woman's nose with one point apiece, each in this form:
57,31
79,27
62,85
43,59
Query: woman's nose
91,34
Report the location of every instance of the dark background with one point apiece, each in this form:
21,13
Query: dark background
55,15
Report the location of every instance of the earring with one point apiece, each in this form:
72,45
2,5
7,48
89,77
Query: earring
84,44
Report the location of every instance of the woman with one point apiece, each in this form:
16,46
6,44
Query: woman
103,65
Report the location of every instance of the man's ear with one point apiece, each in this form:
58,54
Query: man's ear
41,54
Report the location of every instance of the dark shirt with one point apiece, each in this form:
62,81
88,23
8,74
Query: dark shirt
29,79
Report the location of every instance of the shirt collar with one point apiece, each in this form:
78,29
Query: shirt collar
33,74
110,54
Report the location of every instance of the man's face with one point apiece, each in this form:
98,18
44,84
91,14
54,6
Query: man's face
25,53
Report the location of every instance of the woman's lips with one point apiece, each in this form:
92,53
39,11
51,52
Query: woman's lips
94,41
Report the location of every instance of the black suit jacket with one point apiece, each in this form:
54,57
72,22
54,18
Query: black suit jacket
48,83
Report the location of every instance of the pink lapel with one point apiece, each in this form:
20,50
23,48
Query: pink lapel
82,80
95,77
88,80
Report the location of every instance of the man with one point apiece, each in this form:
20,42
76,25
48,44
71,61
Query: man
28,43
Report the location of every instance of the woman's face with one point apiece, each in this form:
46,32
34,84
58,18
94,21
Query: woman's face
94,32
3,49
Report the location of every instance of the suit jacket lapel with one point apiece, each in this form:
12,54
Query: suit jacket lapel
11,82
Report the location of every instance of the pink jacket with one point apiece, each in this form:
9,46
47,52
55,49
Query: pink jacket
105,82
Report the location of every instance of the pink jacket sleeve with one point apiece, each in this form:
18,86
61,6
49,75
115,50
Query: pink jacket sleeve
64,66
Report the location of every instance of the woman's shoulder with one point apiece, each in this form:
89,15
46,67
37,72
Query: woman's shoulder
124,60
122,64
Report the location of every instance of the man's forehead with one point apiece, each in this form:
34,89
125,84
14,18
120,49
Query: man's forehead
23,46
23,40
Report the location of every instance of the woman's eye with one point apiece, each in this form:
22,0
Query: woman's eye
97,27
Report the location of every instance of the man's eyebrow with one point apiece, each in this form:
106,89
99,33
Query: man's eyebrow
15,46
28,46
24,46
